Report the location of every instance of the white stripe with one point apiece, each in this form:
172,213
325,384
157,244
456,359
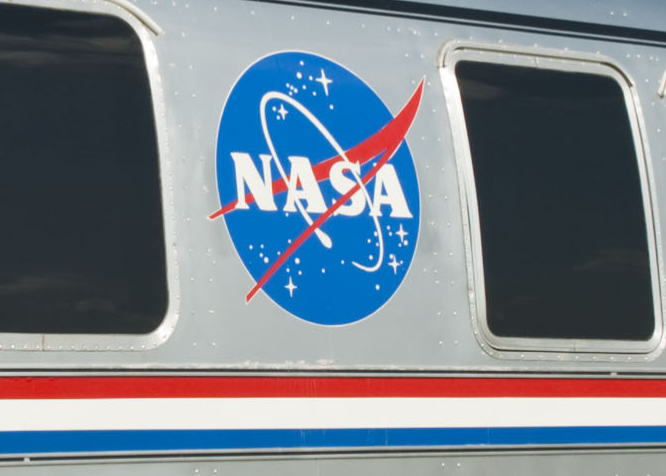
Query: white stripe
308,413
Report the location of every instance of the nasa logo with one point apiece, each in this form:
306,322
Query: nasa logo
318,187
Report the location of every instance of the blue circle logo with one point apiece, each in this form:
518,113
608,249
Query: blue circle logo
318,187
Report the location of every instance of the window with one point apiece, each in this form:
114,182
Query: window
82,244
558,202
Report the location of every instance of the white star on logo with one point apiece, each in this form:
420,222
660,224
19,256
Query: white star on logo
282,111
394,264
291,286
324,81
401,233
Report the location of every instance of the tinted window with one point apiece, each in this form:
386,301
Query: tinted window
563,231
81,248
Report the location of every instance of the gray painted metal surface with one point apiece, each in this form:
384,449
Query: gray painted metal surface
193,65
641,463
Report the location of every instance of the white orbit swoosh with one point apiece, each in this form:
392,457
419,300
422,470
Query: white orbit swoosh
323,237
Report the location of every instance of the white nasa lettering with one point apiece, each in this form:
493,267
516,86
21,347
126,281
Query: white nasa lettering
387,179
261,189
301,172
343,184
302,186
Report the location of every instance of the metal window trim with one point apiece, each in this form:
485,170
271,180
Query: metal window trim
145,29
561,60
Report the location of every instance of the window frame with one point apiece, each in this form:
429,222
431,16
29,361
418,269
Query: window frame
145,29
566,61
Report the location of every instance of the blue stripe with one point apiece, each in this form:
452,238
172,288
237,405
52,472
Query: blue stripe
26,442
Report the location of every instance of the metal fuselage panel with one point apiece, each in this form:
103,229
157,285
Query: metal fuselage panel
234,370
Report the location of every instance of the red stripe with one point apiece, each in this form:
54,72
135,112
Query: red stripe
340,387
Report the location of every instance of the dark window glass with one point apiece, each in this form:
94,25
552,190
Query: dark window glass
563,231
81,247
